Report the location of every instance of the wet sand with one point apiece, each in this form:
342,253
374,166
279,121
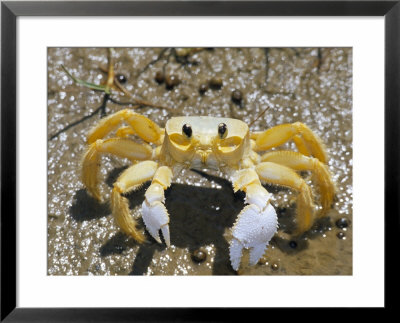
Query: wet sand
310,85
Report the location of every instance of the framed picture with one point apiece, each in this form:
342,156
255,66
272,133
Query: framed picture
313,85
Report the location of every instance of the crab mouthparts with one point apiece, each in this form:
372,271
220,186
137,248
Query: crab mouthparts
204,159
204,156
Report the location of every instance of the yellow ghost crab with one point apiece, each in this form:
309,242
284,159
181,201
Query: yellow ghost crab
203,142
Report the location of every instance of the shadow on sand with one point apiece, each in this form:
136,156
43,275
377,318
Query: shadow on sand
198,217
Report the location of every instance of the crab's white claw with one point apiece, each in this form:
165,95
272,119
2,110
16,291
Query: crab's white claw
252,230
235,253
155,215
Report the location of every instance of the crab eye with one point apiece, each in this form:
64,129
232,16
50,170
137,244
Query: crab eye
187,130
222,130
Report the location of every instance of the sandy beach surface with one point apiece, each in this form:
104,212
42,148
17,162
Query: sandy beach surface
310,85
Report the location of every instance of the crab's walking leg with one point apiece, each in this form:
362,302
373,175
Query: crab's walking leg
305,139
131,179
121,147
256,223
124,131
140,125
299,162
282,175
154,213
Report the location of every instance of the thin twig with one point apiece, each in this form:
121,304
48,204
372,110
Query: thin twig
112,82
259,116
102,113
266,50
110,72
155,60
136,101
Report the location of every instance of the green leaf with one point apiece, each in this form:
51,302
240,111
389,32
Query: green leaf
89,85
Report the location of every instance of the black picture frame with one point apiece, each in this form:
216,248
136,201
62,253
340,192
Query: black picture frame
11,10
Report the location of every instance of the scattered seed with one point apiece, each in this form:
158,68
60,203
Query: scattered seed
199,255
171,81
159,77
203,88
341,235
121,78
263,261
215,83
275,266
342,223
184,97
236,96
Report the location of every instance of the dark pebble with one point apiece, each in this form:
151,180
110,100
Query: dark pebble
341,235
159,77
199,255
293,244
215,83
236,96
184,97
263,261
203,88
342,223
121,78
275,266
171,81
